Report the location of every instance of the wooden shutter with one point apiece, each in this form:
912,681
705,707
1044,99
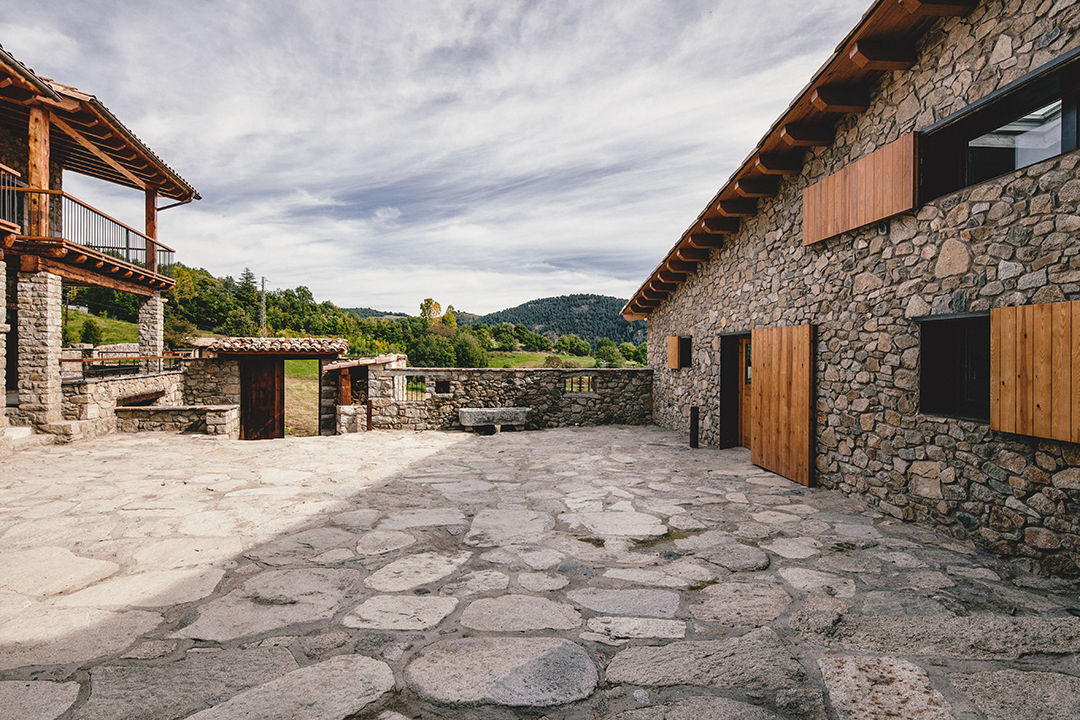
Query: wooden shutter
875,187
1035,370
673,352
781,436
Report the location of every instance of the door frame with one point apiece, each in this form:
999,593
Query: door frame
729,387
275,427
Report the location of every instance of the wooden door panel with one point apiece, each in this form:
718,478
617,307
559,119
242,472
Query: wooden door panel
782,401
745,400
262,399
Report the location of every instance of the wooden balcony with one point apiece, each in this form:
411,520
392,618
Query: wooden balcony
90,247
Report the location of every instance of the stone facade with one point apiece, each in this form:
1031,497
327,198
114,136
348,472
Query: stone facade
39,343
152,330
212,381
621,396
221,420
1009,241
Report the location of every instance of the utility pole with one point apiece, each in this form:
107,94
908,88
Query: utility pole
262,309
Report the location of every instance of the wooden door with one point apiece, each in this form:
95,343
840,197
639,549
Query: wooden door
745,395
783,398
262,398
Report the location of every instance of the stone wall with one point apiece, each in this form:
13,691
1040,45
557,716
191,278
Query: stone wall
212,381
39,338
5,446
221,420
330,416
1009,241
620,396
94,398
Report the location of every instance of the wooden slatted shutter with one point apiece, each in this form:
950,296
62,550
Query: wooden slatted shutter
1035,370
781,437
673,352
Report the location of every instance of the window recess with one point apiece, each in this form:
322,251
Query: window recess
1032,119
954,366
678,352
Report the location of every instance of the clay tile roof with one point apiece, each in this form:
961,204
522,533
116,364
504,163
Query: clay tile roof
279,346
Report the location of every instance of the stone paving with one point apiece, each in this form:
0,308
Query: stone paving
574,573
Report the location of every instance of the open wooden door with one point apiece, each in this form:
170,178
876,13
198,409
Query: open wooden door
745,394
783,401
262,398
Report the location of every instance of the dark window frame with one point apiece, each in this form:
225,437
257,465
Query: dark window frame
442,387
954,366
943,147
685,349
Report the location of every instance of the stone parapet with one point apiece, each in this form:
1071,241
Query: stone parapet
94,398
221,420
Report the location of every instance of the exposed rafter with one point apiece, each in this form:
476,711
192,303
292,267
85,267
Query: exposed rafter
840,99
801,134
938,8
779,164
756,187
874,54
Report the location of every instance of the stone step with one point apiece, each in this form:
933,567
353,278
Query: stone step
24,437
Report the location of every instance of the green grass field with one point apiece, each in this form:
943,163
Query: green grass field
534,359
112,331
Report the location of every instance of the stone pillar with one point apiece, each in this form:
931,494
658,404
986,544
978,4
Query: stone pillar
152,330
40,342
3,353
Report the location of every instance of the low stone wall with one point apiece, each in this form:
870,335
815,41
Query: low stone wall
615,396
212,381
351,419
221,420
93,398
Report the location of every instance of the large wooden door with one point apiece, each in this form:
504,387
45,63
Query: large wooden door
783,398
262,398
745,395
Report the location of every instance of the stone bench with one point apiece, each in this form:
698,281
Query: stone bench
491,420
209,419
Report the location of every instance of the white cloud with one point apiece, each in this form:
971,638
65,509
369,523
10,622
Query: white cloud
480,152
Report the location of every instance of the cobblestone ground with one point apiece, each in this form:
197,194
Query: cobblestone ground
575,573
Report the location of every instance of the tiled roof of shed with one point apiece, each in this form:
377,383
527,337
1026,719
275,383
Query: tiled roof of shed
279,346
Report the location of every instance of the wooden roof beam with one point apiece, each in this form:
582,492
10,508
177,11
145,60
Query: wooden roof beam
663,287
679,266
96,152
779,163
648,294
756,187
938,8
881,54
668,276
705,241
806,135
734,208
691,254
719,226
839,99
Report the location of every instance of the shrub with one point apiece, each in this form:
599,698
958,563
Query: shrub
91,333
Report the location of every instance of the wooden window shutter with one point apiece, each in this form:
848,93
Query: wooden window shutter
1035,370
673,352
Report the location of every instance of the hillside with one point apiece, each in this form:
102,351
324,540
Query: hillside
589,316
365,312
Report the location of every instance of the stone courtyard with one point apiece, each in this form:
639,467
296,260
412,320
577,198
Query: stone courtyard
575,573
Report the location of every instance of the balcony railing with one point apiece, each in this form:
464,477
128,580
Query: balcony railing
87,226
9,200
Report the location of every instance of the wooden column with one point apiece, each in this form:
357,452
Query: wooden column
38,171
151,229
344,387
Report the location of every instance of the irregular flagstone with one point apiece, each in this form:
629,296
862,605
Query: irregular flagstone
36,700
1021,695
619,628
302,545
755,661
477,581
700,708
774,517
497,527
187,552
154,588
400,612
50,570
430,517
517,672
356,518
380,542
703,541
270,600
647,603
333,689
509,613
542,582
794,548
881,688
741,603
415,570
542,559
172,690
809,580
615,524
736,557
59,635
646,577
889,602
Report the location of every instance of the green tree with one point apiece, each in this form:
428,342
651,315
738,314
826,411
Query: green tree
607,354
468,352
573,345
430,310
91,333
432,351
449,317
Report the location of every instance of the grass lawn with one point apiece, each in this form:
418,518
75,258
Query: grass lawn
534,359
112,331
301,397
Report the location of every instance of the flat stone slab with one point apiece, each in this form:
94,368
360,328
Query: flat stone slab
736,557
639,576
273,599
428,517
413,571
61,636
36,700
491,528
542,582
809,580
702,708
755,661
470,417
333,689
50,570
380,542
302,545
188,552
1021,695
625,628
510,613
796,548
646,603
626,523
177,688
400,612
741,603
516,672
881,688
153,588
478,581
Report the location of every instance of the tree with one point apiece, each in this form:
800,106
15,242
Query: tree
467,351
573,345
91,333
607,353
432,351
430,310
449,317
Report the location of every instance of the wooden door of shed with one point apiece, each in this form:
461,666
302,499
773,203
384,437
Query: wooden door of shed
262,398
783,399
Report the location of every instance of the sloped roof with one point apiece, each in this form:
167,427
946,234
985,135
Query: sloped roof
278,346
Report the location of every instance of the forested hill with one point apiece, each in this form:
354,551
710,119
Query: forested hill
589,316
365,312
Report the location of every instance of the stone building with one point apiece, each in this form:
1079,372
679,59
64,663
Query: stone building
49,239
883,299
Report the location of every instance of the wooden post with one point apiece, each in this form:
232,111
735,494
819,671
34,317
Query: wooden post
37,176
344,387
151,229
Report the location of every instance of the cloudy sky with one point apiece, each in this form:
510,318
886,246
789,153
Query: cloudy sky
481,152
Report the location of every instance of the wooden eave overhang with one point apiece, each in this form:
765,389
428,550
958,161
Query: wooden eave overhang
85,136
882,41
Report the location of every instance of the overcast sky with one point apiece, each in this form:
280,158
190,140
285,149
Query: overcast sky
482,153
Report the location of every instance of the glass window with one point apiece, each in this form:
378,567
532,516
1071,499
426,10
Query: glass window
1025,141
954,367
